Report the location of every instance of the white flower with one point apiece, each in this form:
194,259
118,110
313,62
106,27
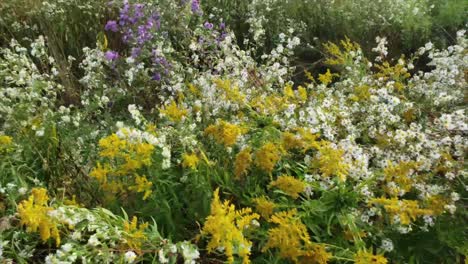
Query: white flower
93,241
387,245
130,257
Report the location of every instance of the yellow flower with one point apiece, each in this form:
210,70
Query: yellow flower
267,156
5,141
400,174
100,172
190,161
134,235
289,185
142,185
174,112
406,210
316,254
330,162
288,91
327,77
34,214
363,257
231,92
264,207
289,236
291,141
111,146
225,225
242,162
302,93
224,133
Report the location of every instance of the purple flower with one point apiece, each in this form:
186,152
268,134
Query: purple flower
156,76
208,25
136,52
196,7
222,25
111,26
111,55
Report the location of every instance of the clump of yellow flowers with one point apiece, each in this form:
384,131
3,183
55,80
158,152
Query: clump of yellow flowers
264,206
406,210
5,142
190,160
226,226
34,214
291,238
267,156
174,111
330,161
363,257
124,158
289,185
134,234
243,162
224,133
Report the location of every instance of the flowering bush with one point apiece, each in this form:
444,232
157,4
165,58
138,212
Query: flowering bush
178,132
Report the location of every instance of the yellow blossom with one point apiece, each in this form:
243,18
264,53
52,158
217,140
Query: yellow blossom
330,162
100,172
134,235
225,225
264,207
316,254
174,112
302,93
363,257
291,141
406,210
111,146
142,185
400,174
34,214
243,162
224,133
5,141
267,156
289,185
290,235
327,77
190,160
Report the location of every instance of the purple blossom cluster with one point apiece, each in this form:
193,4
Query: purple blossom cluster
136,27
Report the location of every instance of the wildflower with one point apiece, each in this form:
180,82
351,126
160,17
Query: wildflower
208,25
5,143
225,224
190,161
130,257
174,112
316,254
264,207
142,185
363,257
34,214
111,146
100,173
405,210
5,140
267,156
289,236
327,77
291,141
111,55
224,133
195,7
289,185
134,234
242,162
111,25
330,162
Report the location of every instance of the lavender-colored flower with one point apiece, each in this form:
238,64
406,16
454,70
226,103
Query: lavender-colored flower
111,55
156,76
196,7
208,25
111,26
222,25
136,52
